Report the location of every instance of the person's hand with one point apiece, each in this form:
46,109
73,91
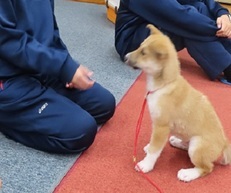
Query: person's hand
81,79
224,25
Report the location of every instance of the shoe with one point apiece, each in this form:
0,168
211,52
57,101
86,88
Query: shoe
225,81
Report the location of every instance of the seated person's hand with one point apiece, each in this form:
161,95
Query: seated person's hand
81,79
224,25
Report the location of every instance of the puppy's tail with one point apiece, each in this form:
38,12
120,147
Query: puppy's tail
226,157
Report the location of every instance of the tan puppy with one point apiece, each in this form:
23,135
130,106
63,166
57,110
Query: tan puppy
177,109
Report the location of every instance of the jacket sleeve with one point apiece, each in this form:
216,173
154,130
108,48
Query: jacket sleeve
20,49
215,8
183,20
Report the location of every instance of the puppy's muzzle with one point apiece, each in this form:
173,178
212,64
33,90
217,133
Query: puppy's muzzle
129,62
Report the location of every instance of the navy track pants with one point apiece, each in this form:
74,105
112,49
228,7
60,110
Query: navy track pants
48,117
213,57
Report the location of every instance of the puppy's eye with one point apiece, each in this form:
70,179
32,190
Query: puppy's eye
143,52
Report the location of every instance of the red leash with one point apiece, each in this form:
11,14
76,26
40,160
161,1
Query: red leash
136,140
1,85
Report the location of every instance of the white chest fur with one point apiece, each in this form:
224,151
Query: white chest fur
153,98
154,109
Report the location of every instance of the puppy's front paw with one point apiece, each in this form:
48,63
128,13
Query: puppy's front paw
188,175
146,148
147,164
144,166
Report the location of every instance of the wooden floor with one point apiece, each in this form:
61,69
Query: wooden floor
227,6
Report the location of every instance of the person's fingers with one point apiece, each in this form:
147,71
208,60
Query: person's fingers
69,85
219,22
82,79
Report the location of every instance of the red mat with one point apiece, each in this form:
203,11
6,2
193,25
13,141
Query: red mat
107,166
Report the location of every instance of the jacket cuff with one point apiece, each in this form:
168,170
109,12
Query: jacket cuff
223,12
68,70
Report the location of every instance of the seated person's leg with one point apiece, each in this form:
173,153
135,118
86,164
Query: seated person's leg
176,40
97,101
131,43
126,42
227,72
214,60
227,76
211,56
43,119
202,8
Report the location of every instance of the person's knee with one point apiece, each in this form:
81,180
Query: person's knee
202,8
80,137
72,145
107,108
110,104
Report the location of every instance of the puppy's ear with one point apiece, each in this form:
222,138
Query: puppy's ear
161,53
153,29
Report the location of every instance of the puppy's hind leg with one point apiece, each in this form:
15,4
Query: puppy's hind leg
178,143
153,150
226,157
200,157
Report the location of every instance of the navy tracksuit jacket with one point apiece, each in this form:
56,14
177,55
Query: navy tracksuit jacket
190,24
35,107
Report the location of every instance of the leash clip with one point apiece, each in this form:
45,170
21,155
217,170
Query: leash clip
134,159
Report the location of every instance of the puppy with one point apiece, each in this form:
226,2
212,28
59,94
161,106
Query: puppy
177,110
